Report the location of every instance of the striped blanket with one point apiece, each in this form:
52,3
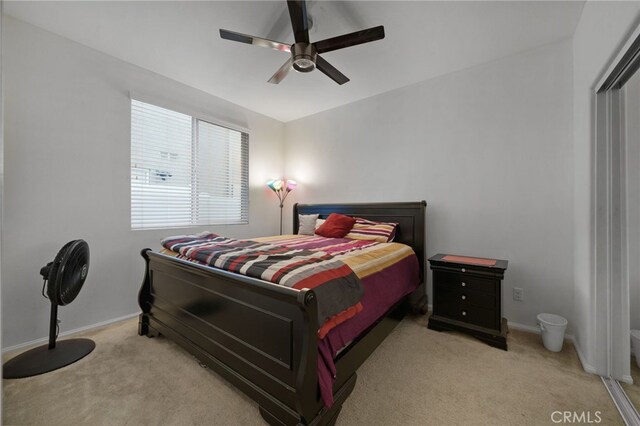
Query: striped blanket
364,257
337,287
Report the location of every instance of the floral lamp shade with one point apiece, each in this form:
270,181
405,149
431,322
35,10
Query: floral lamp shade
282,188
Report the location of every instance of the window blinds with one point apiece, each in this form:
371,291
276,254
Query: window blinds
185,171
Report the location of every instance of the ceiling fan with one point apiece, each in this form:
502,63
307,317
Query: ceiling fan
305,56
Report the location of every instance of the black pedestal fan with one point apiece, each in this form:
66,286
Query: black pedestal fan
64,278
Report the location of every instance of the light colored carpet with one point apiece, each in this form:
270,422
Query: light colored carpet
633,391
416,377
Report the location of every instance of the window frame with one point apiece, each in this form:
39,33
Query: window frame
196,116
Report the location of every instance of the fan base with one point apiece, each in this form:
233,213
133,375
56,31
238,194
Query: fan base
42,359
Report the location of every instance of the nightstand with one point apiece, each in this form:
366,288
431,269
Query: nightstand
467,297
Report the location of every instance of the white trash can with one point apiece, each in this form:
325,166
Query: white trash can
635,344
552,328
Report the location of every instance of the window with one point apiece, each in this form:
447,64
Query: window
186,171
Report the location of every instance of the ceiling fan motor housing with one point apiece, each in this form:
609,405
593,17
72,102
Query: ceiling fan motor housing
304,57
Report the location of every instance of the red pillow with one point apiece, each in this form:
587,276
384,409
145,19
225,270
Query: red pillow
336,226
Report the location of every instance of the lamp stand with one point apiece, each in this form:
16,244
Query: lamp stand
282,189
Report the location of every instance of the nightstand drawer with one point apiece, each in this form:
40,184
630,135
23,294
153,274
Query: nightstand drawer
447,294
465,282
470,314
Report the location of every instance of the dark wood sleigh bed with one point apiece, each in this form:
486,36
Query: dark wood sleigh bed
262,337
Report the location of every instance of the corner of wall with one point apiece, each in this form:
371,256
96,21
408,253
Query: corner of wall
583,360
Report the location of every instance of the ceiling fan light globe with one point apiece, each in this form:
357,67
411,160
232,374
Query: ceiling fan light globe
303,65
304,57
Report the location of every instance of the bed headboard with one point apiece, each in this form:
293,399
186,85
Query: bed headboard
410,216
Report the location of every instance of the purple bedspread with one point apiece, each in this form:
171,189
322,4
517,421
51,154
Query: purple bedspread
381,291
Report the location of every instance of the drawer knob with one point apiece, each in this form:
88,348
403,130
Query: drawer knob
464,297
464,284
463,270
464,313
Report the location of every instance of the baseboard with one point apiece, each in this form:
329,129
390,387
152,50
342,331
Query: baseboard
532,329
522,327
585,365
627,379
67,333
516,326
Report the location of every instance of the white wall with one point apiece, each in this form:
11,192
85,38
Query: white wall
67,149
603,28
490,150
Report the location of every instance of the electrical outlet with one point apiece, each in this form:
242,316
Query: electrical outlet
518,294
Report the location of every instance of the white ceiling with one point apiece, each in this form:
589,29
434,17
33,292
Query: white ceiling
180,40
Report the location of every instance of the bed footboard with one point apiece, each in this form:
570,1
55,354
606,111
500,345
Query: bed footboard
259,336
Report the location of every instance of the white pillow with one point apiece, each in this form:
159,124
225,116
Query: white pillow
319,223
307,224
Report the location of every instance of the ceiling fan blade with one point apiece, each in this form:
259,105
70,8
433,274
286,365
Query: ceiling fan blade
263,42
352,39
282,72
330,70
299,23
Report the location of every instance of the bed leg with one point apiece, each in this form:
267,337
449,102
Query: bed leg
144,298
270,418
326,417
330,416
419,300
143,325
144,329
327,420
332,420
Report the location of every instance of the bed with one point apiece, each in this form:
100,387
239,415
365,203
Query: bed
263,338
